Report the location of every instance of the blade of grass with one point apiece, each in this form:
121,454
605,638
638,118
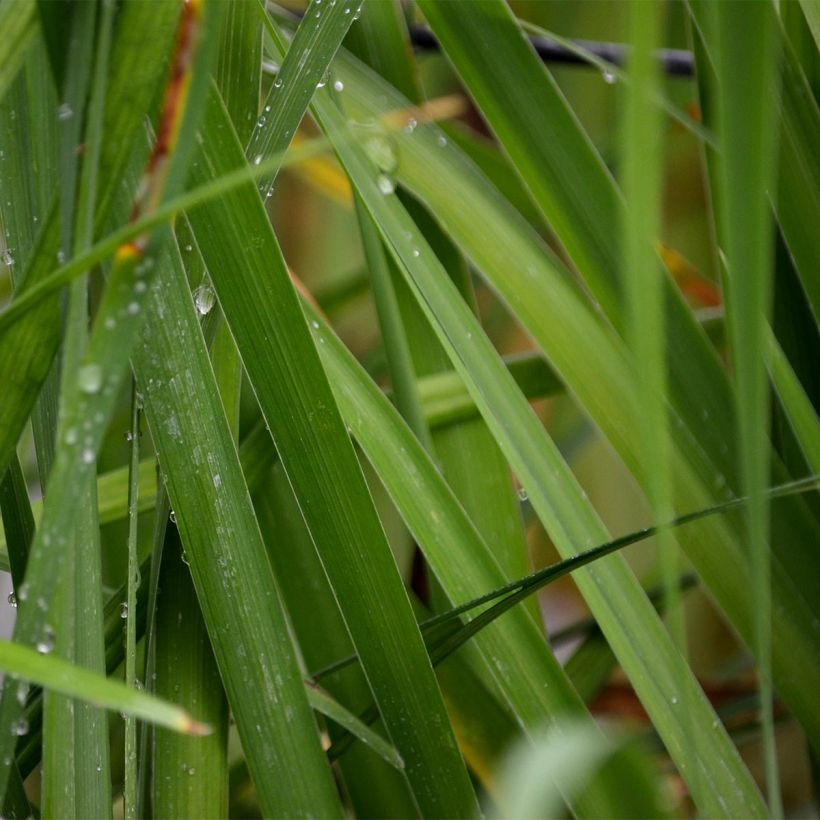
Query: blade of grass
552,488
18,520
132,584
18,22
100,375
315,449
322,702
272,336
798,190
527,276
405,391
28,161
470,459
798,407
26,355
747,119
189,775
515,652
76,770
576,754
374,789
521,589
22,663
642,156
234,584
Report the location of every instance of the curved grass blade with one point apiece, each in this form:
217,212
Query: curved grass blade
22,663
554,493
517,590
282,363
515,652
322,702
592,363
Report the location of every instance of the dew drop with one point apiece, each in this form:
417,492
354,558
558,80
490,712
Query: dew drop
46,643
386,185
133,308
204,299
173,517
382,153
522,494
257,160
12,600
88,455
8,258
65,112
20,727
442,140
89,378
416,253
339,85
124,610
609,78
277,83
71,435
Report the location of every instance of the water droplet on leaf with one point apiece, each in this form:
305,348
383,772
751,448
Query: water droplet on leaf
89,378
204,299
386,185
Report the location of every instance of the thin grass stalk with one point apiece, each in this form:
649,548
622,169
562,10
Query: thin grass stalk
130,806
643,154
748,118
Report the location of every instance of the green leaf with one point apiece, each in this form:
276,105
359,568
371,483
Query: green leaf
632,627
591,361
322,702
232,576
747,127
57,675
18,22
282,364
189,775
